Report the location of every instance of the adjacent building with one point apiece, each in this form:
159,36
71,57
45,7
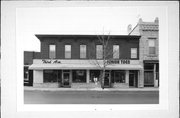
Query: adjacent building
77,61
148,50
28,61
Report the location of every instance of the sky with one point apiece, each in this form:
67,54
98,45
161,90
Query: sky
78,20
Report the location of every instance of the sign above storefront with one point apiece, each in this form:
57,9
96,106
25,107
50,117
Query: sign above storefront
124,61
63,61
51,61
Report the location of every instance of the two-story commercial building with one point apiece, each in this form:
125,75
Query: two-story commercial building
78,60
148,50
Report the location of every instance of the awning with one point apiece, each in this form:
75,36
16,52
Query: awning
84,67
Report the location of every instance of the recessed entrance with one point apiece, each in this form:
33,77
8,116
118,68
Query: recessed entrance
66,79
107,80
133,81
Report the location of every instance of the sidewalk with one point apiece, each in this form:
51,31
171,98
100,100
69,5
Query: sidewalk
26,88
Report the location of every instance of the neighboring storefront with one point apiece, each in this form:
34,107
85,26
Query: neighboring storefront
149,50
151,73
28,61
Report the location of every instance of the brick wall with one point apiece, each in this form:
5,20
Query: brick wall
125,44
147,30
144,48
29,56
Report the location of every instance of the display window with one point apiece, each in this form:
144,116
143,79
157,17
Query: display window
79,76
50,76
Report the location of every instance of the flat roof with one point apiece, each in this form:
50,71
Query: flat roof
40,36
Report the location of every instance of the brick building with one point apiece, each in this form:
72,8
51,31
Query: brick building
77,60
148,50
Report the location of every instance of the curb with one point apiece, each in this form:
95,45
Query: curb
94,89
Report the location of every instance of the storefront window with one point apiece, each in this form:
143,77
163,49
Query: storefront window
82,51
79,76
67,51
119,77
116,51
148,74
94,74
52,51
99,51
50,76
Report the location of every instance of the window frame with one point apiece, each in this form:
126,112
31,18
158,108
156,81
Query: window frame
50,45
153,47
84,54
115,52
132,53
99,52
65,52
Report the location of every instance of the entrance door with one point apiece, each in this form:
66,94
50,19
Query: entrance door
148,78
66,79
60,78
30,77
131,79
107,82
117,76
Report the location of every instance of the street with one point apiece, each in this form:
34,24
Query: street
91,97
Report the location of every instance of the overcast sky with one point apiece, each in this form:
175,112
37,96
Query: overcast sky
78,20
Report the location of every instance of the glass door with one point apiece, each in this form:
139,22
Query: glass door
66,79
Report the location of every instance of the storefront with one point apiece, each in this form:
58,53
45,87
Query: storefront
151,73
82,73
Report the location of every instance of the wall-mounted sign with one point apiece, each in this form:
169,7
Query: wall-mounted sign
56,61
51,61
124,61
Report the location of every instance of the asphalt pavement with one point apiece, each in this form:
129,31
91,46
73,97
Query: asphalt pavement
91,97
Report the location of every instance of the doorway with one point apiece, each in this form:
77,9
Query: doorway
66,79
148,79
107,80
133,81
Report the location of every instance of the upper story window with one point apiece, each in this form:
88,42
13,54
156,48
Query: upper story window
82,51
67,51
52,51
133,52
151,44
116,51
99,51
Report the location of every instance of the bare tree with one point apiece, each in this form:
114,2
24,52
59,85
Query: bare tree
107,55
